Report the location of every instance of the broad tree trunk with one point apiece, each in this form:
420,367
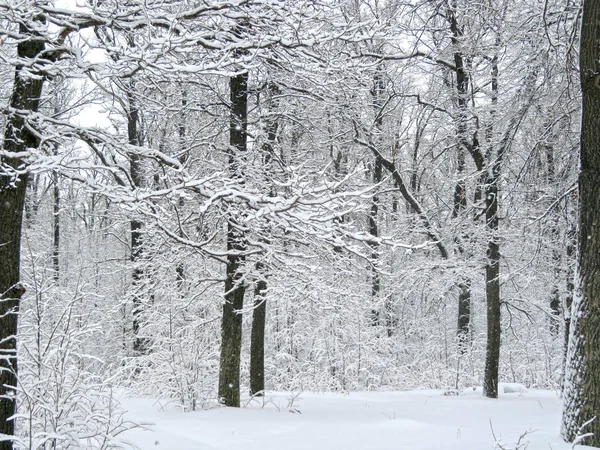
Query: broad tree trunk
17,139
231,325
582,376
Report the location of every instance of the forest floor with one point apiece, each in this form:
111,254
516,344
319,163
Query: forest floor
416,420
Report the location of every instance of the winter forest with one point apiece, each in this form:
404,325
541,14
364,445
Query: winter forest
203,202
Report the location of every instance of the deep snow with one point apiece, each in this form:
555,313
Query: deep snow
417,420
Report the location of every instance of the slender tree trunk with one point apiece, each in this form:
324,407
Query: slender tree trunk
257,340
140,344
183,157
231,325
460,193
374,231
571,236
555,297
17,139
377,95
463,329
464,315
555,306
56,227
582,376
492,266
492,292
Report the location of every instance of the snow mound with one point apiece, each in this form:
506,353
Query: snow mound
503,388
512,388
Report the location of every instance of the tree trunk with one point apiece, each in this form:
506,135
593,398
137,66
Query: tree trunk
17,139
257,341
492,291
582,377
463,330
571,236
377,95
231,325
464,316
492,266
183,158
555,307
56,227
140,344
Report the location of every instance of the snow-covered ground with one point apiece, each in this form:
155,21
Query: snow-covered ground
418,420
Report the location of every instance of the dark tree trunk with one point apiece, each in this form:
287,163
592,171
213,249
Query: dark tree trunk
582,376
184,154
464,316
460,192
257,338
571,246
492,266
492,291
56,227
555,306
17,139
463,329
374,231
377,95
257,342
140,344
183,157
231,325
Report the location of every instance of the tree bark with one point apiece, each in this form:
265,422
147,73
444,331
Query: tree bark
492,266
231,325
141,344
460,192
582,377
464,316
377,95
257,338
56,227
492,291
18,138
257,342
555,306
571,246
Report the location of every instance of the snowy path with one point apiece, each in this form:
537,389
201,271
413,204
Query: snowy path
423,420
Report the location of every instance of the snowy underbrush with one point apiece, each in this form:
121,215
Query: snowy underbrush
418,420
62,403
65,395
